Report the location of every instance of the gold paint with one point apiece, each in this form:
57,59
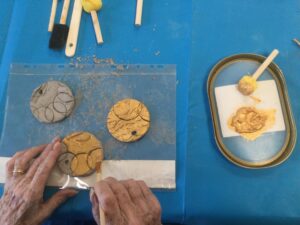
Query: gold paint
79,165
91,5
251,123
247,85
256,99
128,120
87,150
94,157
81,142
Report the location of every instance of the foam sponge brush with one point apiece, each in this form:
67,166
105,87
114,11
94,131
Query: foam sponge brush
92,6
60,31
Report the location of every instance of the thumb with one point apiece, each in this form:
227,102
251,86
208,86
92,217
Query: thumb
95,206
56,200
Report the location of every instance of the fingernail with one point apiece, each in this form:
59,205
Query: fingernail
55,139
57,145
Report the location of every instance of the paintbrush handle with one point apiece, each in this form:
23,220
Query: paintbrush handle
101,213
74,29
64,13
52,15
139,13
97,28
265,64
102,217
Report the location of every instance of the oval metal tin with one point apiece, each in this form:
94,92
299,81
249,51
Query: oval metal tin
276,144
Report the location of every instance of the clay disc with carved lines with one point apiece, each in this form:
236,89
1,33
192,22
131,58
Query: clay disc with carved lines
51,102
128,120
80,153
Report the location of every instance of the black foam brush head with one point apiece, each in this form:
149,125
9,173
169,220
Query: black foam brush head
59,36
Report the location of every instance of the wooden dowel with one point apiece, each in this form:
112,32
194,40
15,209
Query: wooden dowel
97,27
74,29
139,13
52,15
265,64
65,10
101,213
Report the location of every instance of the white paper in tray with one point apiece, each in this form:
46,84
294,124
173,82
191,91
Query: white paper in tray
229,100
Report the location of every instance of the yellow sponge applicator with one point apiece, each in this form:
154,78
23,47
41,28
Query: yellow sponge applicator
91,5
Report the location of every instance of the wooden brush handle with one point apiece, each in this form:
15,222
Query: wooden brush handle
97,28
101,213
74,29
139,13
52,15
64,13
265,64
102,217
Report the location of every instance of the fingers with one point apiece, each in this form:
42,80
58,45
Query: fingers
121,194
136,194
43,172
25,159
151,200
10,167
95,206
108,202
37,163
11,164
54,202
22,159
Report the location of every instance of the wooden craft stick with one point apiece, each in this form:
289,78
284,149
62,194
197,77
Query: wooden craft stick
296,41
139,13
265,64
102,216
65,10
97,28
74,29
99,178
52,15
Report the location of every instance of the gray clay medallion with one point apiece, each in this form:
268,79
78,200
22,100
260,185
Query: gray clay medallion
51,102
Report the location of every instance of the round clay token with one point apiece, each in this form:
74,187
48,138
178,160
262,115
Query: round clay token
87,151
80,167
94,157
128,120
64,163
51,102
81,142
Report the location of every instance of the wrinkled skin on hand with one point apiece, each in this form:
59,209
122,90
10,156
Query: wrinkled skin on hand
127,202
22,202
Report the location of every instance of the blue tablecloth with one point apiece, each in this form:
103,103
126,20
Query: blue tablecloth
215,189
163,39
194,35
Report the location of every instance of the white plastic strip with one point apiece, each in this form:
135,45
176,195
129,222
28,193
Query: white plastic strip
156,173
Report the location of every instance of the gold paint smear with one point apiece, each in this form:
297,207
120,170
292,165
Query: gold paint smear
251,123
128,120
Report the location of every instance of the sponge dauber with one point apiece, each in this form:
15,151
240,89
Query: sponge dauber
60,31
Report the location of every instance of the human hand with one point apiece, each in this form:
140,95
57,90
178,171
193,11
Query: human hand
26,176
126,202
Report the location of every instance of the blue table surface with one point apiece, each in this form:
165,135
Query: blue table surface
194,35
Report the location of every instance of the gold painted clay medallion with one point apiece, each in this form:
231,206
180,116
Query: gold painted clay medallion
80,153
128,120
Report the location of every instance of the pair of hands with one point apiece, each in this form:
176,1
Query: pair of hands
125,202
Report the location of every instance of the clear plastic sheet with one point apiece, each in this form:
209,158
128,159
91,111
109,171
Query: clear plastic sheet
96,89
